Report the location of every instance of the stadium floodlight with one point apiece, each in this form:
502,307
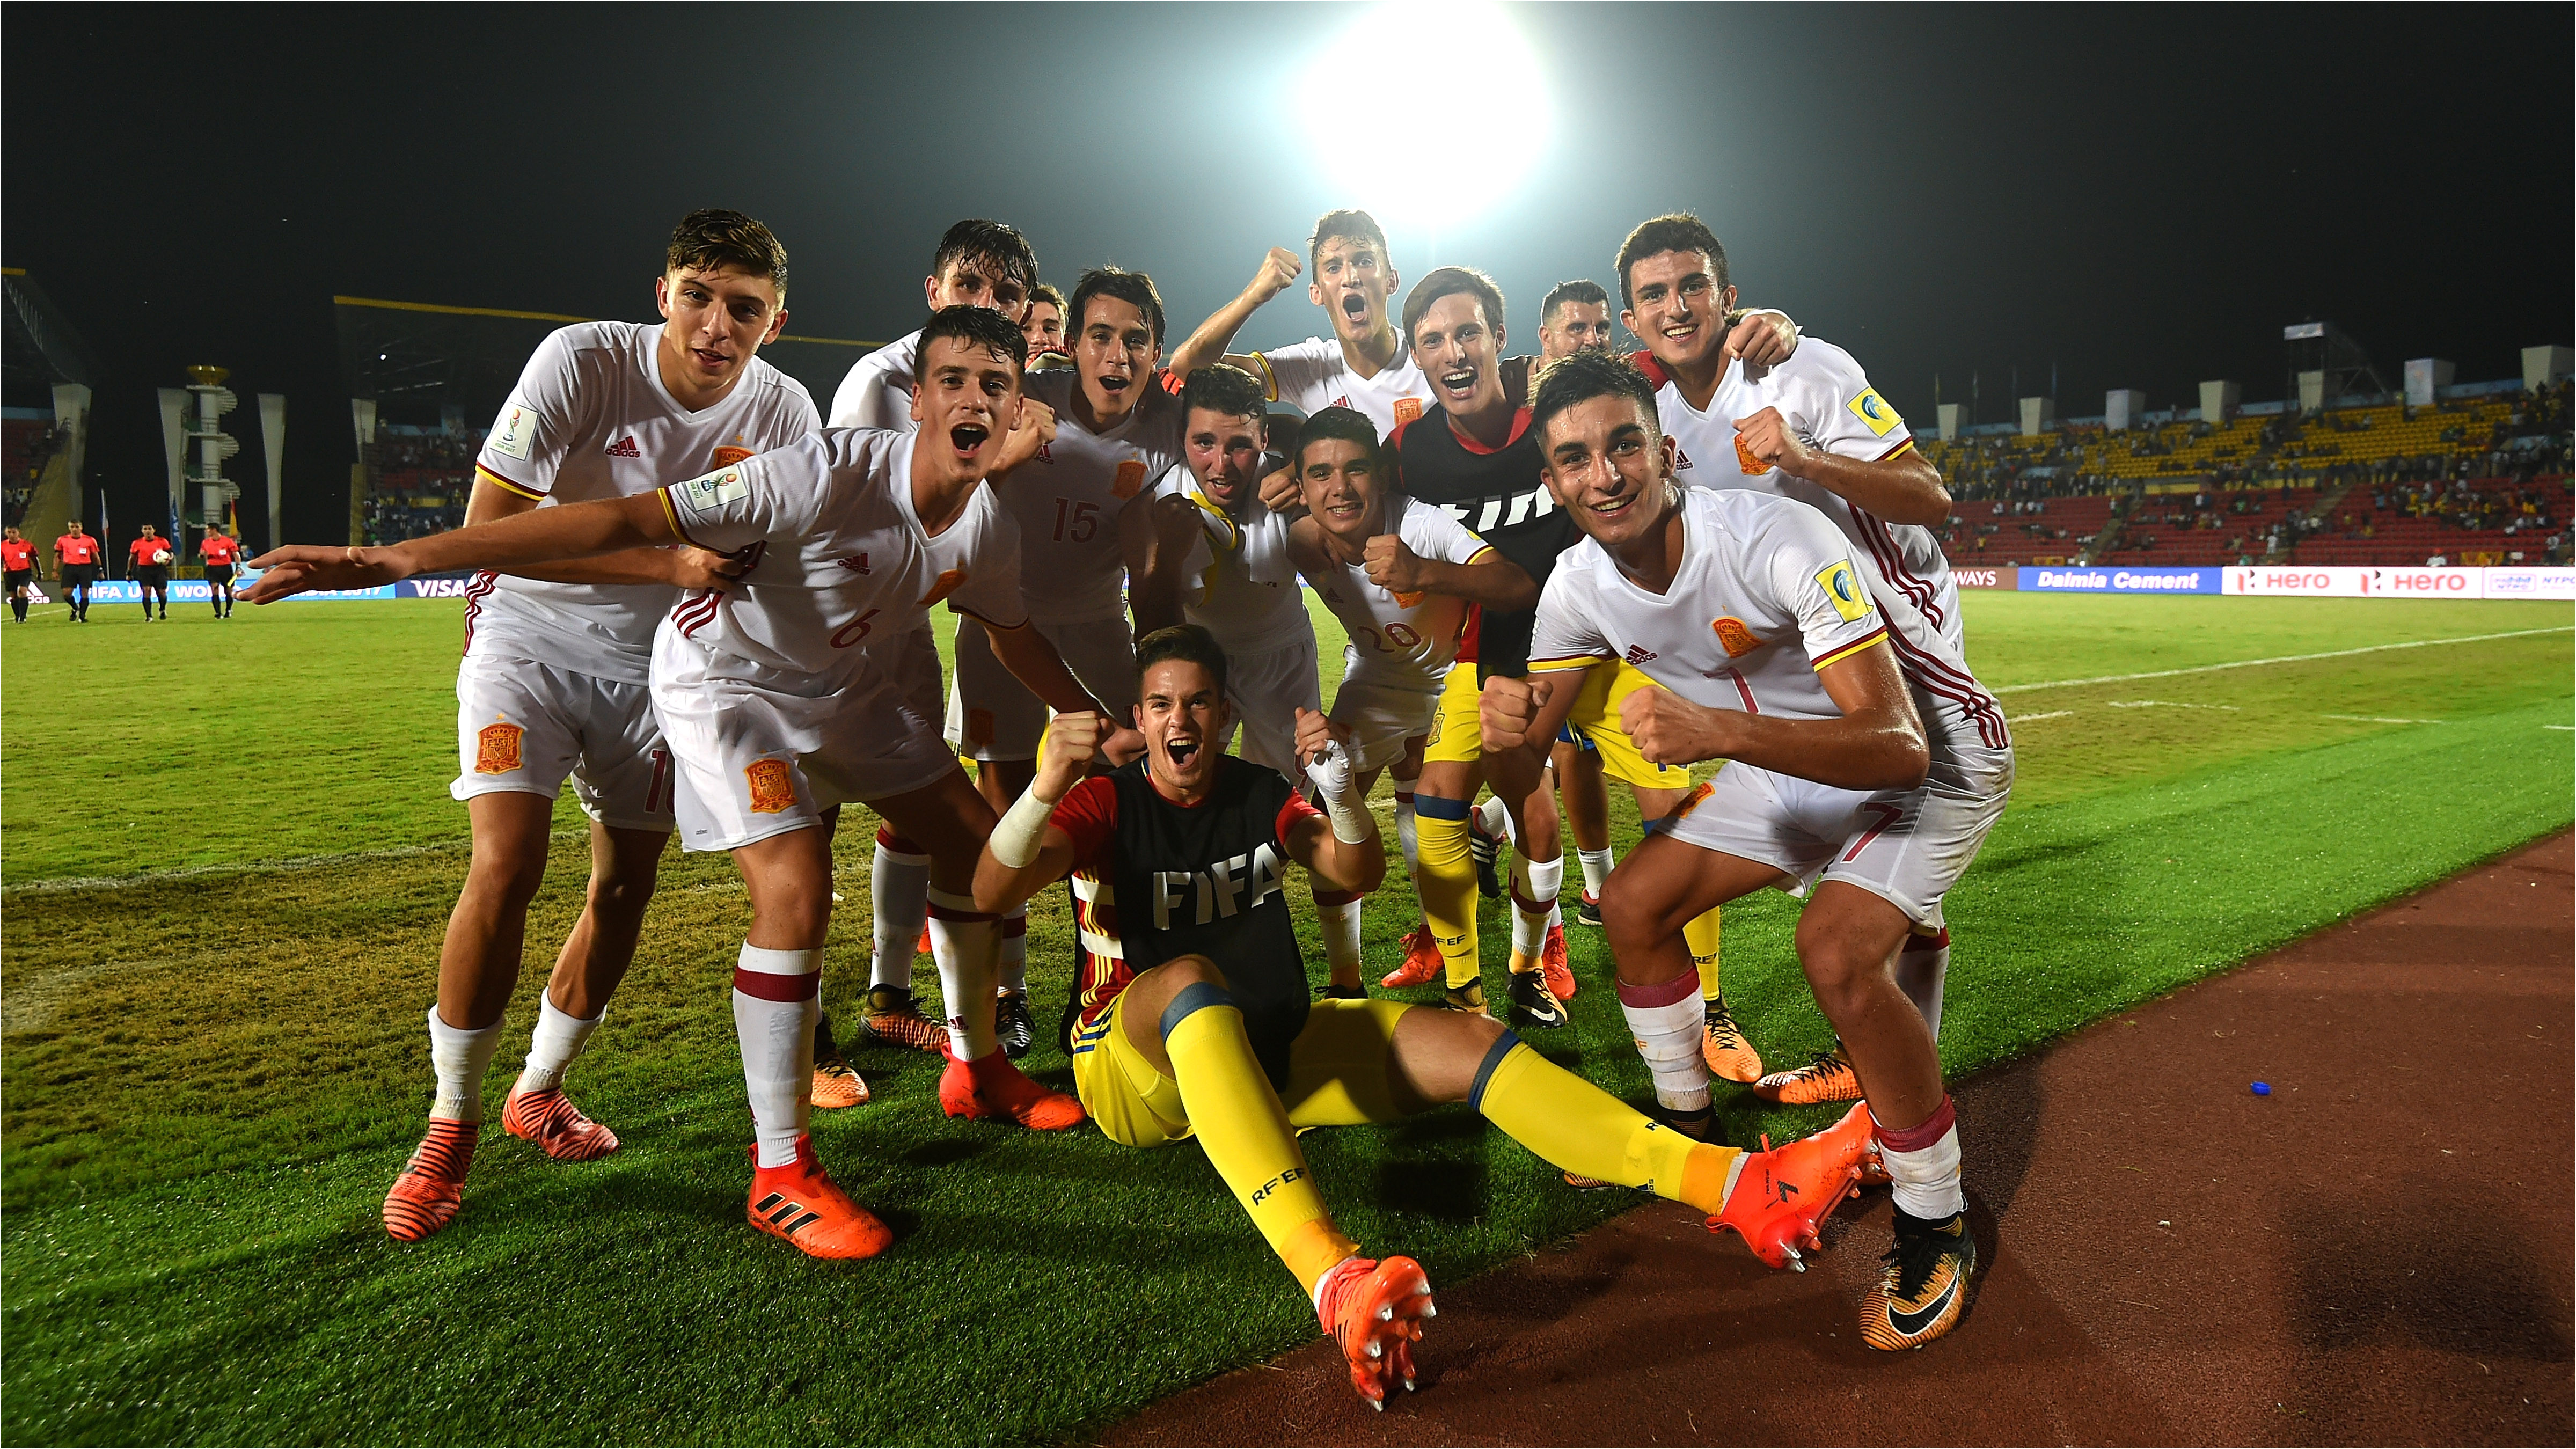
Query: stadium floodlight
1458,81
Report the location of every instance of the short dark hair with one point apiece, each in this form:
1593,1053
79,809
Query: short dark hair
977,327
1675,231
708,239
1349,425
1587,292
1046,292
1355,225
1448,281
1134,288
1223,389
1182,641
1580,377
994,243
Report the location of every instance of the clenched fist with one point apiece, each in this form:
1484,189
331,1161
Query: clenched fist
1391,566
1278,269
1671,730
1065,758
1761,339
1315,731
1766,438
1279,491
698,568
1034,430
1505,710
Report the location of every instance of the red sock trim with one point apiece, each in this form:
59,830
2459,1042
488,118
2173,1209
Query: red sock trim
771,986
1014,926
1663,993
1327,900
1403,797
1530,907
887,839
939,912
1923,1134
1928,943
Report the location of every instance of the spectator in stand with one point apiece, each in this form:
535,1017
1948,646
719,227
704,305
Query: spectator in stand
76,556
150,555
222,552
18,557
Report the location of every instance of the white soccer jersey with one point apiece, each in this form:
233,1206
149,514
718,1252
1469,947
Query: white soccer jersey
1313,375
1408,639
877,391
1826,400
838,556
590,419
1767,596
1241,586
1067,499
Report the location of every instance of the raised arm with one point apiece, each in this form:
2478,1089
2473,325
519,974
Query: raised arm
1209,343
539,536
1156,535
1877,744
1342,848
1033,661
1027,851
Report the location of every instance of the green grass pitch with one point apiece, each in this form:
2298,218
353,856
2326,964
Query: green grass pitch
228,855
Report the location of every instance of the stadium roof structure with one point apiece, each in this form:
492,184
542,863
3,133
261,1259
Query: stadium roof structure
419,360
40,349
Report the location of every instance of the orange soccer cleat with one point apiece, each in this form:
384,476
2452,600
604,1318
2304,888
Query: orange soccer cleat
549,1119
891,1018
1421,961
990,1087
1922,1285
1723,1047
1551,959
836,1086
1829,1078
800,1203
1374,1310
425,1198
1782,1195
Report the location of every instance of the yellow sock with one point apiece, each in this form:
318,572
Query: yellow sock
1239,1121
1590,1133
1445,878
1700,934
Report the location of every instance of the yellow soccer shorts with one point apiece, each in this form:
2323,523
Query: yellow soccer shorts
1337,1073
1595,725
1455,735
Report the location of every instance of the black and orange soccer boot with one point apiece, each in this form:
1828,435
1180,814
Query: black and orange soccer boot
426,1197
800,1203
558,1128
1374,1311
1923,1284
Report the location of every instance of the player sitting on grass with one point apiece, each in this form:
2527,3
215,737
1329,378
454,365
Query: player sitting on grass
1746,610
1216,1038
773,716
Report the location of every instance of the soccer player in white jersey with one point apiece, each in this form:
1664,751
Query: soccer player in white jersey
553,682
1365,365
773,716
1044,324
1849,781
1117,430
978,263
1400,575
1809,427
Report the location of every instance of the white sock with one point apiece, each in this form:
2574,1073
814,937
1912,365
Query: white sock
559,1038
1404,838
1013,969
1921,968
1529,928
1341,930
774,1023
1498,821
900,891
1596,870
965,943
1547,883
1665,1021
1925,1180
460,1058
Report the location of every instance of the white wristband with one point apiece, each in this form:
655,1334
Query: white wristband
1351,823
1014,841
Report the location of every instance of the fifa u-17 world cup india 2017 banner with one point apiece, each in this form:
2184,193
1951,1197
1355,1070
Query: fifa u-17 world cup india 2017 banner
2104,579
2378,581
198,591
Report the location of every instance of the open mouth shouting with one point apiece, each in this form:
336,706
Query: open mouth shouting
1355,306
967,437
1182,749
1458,386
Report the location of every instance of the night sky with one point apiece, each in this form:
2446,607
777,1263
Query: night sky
2134,196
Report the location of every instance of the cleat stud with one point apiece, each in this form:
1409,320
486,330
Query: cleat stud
1423,1288
1430,1309
1378,1404
1408,1386
1376,1349
1385,1312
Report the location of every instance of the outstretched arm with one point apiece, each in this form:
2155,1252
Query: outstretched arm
1209,343
1032,660
687,568
540,536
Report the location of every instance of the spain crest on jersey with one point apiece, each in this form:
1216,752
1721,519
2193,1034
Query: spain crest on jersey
1753,467
1406,410
772,786
1131,476
496,749
1842,589
1873,410
1737,639
728,455
947,583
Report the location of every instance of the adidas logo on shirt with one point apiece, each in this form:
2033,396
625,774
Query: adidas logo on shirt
625,448
1639,654
1681,459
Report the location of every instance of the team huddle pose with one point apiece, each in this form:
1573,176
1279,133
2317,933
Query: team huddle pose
712,614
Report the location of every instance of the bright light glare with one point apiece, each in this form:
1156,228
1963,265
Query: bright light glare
1426,113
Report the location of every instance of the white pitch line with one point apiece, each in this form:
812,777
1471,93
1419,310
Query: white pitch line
2279,659
2052,714
2377,719
2165,704
2559,727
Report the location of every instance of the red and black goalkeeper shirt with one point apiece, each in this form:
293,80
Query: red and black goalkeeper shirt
1168,880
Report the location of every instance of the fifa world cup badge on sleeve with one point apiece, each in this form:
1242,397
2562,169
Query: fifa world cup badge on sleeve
1842,586
1873,410
773,789
717,489
517,433
496,749
1738,639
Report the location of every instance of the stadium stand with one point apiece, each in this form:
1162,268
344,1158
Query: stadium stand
418,480
2478,478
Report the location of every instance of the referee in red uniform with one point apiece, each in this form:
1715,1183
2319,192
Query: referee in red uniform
221,551
151,555
76,564
18,558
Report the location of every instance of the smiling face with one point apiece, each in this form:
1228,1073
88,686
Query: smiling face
714,319
1352,280
1224,454
1457,347
1573,327
1679,310
967,398
1339,483
1044,327
1182,714
1607,467
1116,354
977,282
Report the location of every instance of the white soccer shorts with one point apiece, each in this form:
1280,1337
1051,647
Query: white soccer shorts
754,763
1907,847
523,727
911,662
1267,689
992,716
1382,715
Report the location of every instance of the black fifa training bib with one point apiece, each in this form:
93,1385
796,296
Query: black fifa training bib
1502,498
1210,882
